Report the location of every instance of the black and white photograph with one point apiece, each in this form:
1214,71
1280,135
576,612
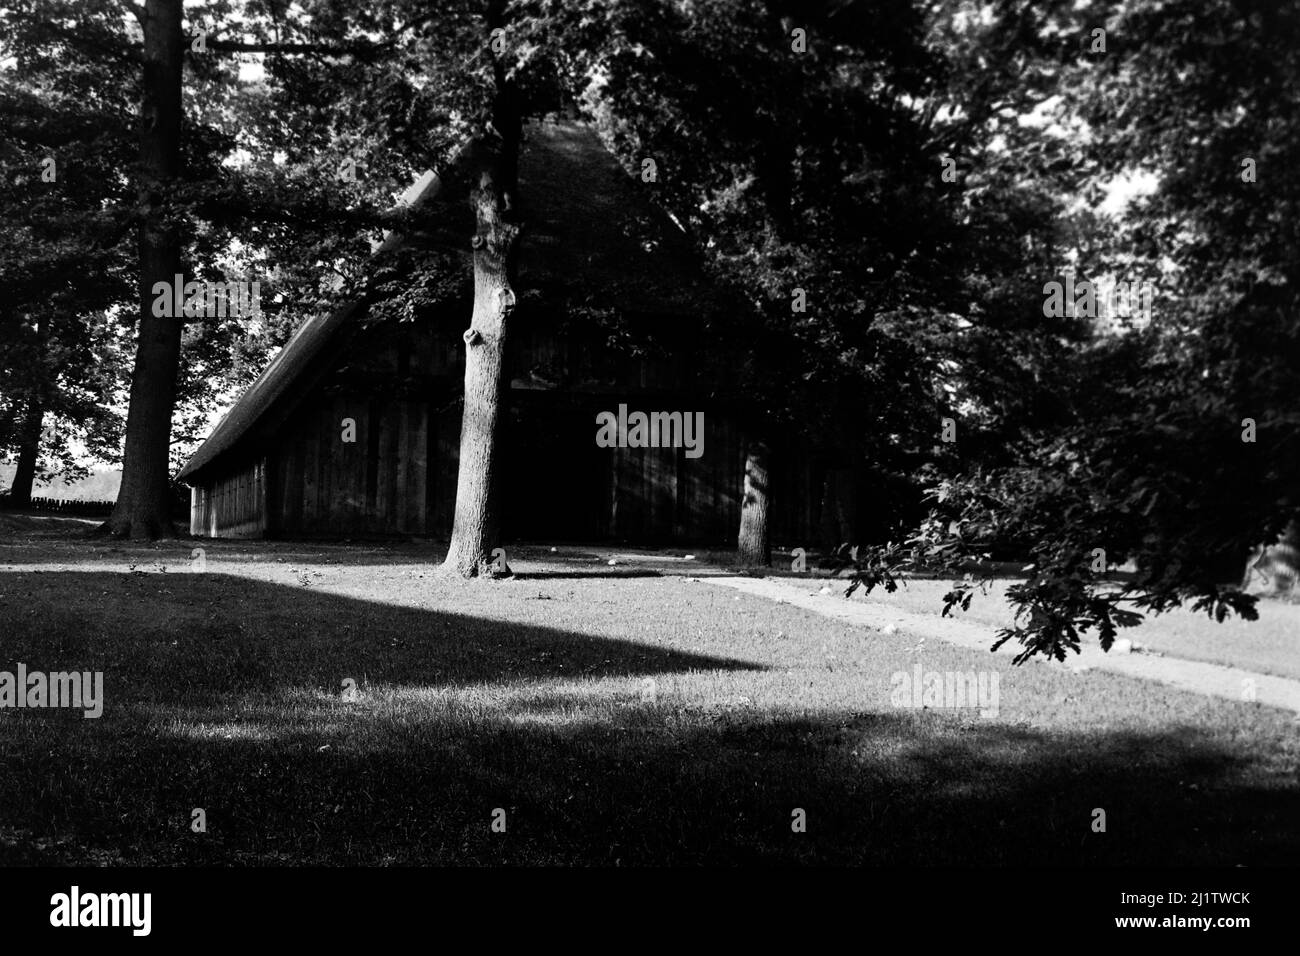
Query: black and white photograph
621,456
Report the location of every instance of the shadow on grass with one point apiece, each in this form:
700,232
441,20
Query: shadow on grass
220,634
60,549
579,575
222,693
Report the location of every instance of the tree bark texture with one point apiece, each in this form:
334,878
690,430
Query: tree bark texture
143,508
476,529
754,545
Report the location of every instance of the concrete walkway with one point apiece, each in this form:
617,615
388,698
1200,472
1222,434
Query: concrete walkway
1196,676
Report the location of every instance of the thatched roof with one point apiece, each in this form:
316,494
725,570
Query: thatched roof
590,236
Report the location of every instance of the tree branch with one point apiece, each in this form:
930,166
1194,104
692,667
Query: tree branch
329,49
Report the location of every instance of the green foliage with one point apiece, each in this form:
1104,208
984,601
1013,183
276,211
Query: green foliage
65,147
1138,447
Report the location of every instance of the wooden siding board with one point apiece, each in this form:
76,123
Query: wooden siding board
310,469
418,426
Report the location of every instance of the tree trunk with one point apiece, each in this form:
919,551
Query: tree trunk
7,416
143,508
29,448
1275,568
754,546
477,526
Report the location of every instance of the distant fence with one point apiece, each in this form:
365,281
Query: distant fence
84,508
64,506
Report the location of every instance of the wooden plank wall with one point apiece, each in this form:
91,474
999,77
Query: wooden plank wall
232,506
660,495
445,422
373,485
399,476
317,484
796,502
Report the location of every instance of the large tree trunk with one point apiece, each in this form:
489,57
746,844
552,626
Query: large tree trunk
1275,568
143,508
477,527
754,548
29,449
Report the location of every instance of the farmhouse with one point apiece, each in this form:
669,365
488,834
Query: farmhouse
354,428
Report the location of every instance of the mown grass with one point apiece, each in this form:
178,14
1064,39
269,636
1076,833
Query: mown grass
618,718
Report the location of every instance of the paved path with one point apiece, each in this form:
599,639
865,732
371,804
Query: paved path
1197,676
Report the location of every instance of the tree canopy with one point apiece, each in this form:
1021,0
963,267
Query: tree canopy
896,200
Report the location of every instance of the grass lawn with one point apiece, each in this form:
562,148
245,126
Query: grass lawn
616,715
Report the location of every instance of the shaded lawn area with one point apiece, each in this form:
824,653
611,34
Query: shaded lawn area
616,719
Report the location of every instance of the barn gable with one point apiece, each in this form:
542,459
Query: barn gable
280,464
